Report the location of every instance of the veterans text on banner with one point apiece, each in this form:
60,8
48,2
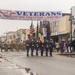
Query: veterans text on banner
27,15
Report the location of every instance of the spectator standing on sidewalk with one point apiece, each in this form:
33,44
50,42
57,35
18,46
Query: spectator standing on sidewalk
62,46
65,46
69,46
57,46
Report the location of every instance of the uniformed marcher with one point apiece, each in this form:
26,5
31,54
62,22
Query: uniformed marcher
2,46
46,47
5,47
17,46
37,47
50,48
11,47
27,48
32,45
42,47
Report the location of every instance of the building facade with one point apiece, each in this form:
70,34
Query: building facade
61,29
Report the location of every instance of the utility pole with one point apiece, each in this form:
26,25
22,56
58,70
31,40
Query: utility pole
71,25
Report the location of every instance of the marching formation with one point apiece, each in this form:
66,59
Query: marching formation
43,47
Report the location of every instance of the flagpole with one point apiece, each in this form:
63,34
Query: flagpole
31,30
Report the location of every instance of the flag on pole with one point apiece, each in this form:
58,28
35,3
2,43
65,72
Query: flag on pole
41,28
41,31
44,29
31,30
48,30
37,34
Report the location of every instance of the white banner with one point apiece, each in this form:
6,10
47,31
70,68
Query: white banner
27,15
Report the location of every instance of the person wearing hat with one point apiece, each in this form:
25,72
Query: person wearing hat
37,47
42,47
51,47
27,47
32,46
46,47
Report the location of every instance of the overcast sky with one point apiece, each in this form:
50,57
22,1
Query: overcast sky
31,5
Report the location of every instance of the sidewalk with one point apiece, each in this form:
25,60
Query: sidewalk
64,53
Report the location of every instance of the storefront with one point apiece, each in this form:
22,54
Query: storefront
60,37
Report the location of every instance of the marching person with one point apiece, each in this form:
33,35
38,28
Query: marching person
37,47
46,47
6,47
32,45
42,47
51,47
27,47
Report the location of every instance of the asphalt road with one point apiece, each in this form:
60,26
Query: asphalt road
8,68
56,65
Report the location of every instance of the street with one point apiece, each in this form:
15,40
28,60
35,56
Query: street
8,68
42,65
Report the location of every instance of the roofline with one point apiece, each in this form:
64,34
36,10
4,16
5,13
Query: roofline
63,14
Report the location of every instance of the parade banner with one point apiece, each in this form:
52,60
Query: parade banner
29,15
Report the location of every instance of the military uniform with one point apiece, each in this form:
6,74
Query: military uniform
6,47
46,47
11,47
51,48
27,48
37,47
17,46
1,46
32,46
42,48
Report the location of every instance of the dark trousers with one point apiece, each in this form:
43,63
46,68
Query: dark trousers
46,51
62,50
42,51
32,50
37,51
27,51
57,49
50,52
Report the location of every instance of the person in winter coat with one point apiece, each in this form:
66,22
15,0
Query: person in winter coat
42,47
37,47
62,46
32,46
57,46
27,47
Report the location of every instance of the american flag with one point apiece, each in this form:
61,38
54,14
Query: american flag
31,30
